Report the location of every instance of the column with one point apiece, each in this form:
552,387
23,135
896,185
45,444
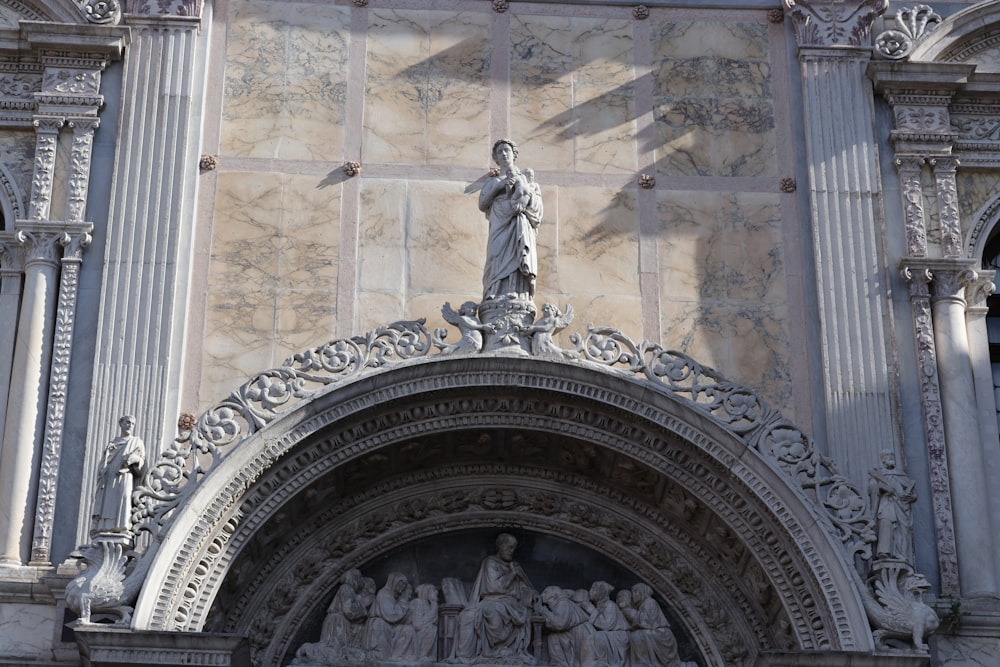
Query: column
140,339
858,370
11,279
958,401
25,415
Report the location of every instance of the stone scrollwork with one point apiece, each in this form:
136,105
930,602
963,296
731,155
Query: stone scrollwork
912,23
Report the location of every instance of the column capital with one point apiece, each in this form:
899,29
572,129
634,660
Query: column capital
829,23
40,241
947,278
978,291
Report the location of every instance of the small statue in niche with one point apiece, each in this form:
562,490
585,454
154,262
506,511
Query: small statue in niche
124,458
512,203
892,496
550,323
497,621
468,325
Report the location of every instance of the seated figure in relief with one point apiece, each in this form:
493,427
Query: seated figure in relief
610,627
423,616
651,642
343,626
496,624
388,635
570,635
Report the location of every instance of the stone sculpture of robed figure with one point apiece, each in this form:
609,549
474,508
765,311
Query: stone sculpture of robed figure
512,203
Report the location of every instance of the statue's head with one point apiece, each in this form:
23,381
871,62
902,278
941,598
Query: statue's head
500,143
468,308
127,423
888,459
506,544
600,590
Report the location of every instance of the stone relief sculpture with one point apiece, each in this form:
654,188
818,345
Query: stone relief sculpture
123,461
550,323
496,623
468,325
502,621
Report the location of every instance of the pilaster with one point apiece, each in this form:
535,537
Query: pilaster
854,312
140,331
11,281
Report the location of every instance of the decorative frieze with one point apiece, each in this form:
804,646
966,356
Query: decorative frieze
831,23
947,200
909,169
46,142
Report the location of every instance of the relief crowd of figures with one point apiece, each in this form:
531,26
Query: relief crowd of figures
503,620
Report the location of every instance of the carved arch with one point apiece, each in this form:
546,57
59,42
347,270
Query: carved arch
62,11
962,36
292,460
983,224
11,200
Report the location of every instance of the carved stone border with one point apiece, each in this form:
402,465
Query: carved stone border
184,581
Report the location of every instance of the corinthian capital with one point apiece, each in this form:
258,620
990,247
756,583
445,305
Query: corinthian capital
833,22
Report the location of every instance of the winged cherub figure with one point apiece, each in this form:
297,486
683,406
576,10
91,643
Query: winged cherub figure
468,325
550,323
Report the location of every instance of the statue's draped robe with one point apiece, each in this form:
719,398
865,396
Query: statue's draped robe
611,634
387,634
511,254
113,509
497,621
571,636
651,642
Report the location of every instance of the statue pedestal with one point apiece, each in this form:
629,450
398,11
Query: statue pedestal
508,317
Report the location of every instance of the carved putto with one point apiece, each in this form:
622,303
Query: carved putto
501,620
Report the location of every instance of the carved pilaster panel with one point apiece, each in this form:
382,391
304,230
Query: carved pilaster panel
55,417
826,23
46,140
909,169
930,403
83,141
947,198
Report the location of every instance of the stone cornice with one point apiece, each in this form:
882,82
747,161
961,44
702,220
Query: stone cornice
935,79
92,42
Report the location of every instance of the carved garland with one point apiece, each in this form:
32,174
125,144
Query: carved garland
909,168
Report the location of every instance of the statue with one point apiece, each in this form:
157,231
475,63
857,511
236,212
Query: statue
512,203
610,627
570,634
551,322
651,642
496,624
423,616
387,635
123,461
892,495
468,325
343,626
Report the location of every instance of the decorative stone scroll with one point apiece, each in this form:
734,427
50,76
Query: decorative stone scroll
912,24
502,619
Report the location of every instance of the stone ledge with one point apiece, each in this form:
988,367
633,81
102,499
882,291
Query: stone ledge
105,646
836,659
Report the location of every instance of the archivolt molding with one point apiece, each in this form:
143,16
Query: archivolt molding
983,223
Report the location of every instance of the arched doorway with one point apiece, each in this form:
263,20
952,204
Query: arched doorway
674,476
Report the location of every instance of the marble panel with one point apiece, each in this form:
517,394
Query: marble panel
26,630
445,238
381,236
713,99
427,87
309,247
721,246
285,86
746,342
572,92
376,309
304,318
596,238
238,340
246,223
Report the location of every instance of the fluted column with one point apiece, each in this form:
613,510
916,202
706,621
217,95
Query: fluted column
25,418
140,337
858,375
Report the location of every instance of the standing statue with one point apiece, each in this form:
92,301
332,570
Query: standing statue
892,495
512,202
497,621
123,461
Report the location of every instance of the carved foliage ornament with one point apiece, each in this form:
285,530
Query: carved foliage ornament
912,24
104,12
819,23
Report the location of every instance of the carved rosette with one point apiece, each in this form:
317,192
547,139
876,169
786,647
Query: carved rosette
919,280
102,12
911,25
909,168
829,23
55,418
947,198
46,139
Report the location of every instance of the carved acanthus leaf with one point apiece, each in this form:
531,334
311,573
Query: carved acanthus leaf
825,23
